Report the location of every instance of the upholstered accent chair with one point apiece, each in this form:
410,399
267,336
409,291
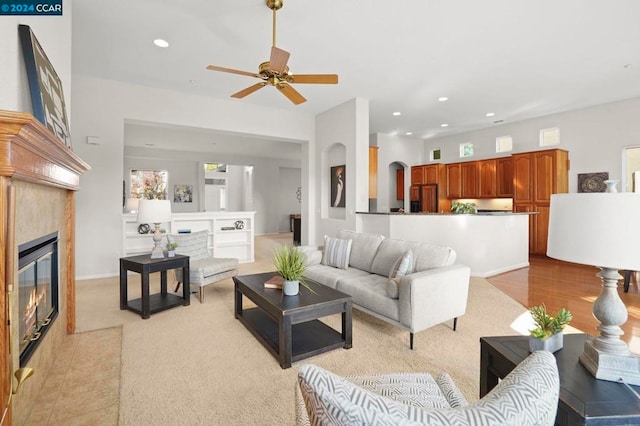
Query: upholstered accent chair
204,269
528,396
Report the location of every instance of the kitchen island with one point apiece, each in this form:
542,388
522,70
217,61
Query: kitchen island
489,243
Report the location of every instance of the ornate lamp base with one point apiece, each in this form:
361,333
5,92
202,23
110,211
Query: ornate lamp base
157,252
611,367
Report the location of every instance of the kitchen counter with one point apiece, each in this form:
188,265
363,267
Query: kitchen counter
495,213
489,243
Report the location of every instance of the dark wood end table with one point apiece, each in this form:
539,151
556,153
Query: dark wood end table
584,400
288,326
144,265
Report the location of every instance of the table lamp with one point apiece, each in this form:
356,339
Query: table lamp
603,230
132,205
156,212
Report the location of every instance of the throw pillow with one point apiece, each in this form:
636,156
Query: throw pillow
336,252
403,266
393,288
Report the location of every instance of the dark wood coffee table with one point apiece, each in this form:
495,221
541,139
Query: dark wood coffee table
288,326
584,400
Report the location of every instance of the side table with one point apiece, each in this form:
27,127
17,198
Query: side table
584,400
144,265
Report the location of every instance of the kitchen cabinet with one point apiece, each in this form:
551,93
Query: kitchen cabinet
417,175
487,178
414,193
431,173
400,184
429,197
504,177
373,172
469,179
536,176
454,186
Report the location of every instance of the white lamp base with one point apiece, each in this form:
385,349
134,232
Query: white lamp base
157,252
614,368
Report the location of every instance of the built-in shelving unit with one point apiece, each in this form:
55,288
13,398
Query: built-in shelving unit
231,234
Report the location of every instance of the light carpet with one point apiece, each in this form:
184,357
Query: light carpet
198,365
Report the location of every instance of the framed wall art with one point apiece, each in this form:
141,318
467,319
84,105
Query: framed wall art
338,182
45,86
592,182
182,193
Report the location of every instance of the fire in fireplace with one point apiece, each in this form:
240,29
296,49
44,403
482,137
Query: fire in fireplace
37,291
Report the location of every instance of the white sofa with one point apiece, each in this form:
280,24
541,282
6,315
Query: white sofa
433,291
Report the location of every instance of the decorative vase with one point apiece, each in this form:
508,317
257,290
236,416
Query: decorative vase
552,343
171,253
290,288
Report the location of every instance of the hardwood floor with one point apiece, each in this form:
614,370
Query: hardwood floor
575,287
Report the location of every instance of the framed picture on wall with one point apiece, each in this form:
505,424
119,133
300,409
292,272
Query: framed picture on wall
338,182
182,193
47,98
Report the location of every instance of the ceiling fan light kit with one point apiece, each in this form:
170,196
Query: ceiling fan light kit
275,71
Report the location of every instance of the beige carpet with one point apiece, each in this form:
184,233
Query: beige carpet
198,365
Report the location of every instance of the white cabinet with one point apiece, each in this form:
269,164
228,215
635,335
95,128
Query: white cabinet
231,234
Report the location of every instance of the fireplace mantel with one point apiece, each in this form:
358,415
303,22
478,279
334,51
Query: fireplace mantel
31,152
39,176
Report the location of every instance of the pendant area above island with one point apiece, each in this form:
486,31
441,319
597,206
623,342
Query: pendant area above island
489,243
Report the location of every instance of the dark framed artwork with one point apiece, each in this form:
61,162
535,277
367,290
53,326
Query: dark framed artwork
47,98
592,182
338,189
182,193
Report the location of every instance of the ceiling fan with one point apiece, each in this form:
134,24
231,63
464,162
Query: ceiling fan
275,71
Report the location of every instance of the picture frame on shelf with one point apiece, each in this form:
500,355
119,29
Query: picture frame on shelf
47,97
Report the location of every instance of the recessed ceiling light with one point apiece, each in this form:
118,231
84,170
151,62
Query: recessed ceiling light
149,144
397,113
627,66
409,133
444,125
161,43
193,81
490,114
443,99
498,121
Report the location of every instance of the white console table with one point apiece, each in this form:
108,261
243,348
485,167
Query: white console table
223,241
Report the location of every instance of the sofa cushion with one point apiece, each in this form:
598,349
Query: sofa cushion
370,292
389,252
329,276
428,256
363,248
403,266
393,288
336,252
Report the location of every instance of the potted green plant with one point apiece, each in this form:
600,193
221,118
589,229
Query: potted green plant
463,208
290,263
547,334
171,248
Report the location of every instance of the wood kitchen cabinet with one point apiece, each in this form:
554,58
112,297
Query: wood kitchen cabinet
487,178
417,175
536,176
400,184
429,197
454,185
469,179
432,173
504,177
373,172
414,193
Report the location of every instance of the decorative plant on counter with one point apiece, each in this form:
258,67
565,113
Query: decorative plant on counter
547,335
463,208
290,263
547,325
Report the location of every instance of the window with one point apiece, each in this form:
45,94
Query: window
550,136
435,154
466,149
149,184
213,167
504,144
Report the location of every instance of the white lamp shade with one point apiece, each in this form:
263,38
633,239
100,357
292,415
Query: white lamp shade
154,211
600,229
132,204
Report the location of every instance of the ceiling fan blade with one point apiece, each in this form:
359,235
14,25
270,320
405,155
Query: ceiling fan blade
291,93
232,71
278,59
313,78
249,90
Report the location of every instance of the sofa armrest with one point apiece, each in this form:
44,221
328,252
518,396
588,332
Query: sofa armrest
433,296
312,253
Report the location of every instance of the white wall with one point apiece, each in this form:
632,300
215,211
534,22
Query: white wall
595,138
346,124
54,35
406,151
100,108
288,203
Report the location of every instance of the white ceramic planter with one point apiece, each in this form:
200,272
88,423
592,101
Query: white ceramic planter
290,288
551,344
171,253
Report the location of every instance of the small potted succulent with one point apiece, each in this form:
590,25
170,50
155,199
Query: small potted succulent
547,334
171,248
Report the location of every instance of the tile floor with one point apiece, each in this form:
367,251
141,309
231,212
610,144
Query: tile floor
83,387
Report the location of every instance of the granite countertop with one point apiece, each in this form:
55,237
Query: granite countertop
495,213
